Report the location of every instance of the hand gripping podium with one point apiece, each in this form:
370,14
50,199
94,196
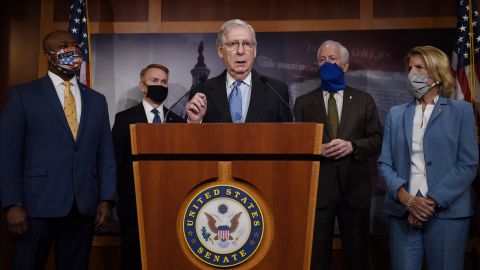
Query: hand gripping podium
238,196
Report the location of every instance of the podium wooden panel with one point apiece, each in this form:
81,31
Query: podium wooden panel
278,164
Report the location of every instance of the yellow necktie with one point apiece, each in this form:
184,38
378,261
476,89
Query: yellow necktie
70,110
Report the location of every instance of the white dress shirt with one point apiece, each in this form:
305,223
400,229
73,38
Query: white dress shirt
148,111
60,89
245,89
338,96
418,176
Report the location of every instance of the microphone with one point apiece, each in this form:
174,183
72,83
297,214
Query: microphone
264,80
200,80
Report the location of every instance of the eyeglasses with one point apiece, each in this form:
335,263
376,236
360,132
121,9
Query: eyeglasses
233,45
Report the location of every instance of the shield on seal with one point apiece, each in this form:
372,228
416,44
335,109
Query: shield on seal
223,232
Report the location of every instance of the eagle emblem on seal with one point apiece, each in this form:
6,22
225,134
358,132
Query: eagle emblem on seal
222,228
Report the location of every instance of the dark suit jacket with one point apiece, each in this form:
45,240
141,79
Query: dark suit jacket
41,164
265,106
359,124
123,154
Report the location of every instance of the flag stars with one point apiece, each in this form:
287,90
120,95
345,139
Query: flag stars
462,28
460,39
74,30
79,10
84,20
468,45
465,18
478,38
84,35
474,23
77,20
465,55
477,50
476,13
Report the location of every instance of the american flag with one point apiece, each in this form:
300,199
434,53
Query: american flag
78,26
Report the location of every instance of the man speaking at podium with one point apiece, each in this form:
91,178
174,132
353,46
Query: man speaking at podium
154,86
239,94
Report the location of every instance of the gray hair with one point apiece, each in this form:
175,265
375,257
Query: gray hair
233,24
345,56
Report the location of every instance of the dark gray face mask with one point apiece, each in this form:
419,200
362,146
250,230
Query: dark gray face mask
417,85
157,93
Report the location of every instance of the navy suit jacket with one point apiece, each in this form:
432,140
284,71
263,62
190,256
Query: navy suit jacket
264,105
123,154
450,150
41,164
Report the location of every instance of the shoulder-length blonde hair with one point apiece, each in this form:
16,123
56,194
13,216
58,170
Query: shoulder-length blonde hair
437,65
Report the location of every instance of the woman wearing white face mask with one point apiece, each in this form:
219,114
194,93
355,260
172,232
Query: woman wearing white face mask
428,160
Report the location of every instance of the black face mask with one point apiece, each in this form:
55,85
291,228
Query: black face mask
157,93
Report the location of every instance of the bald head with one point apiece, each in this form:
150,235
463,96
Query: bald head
58,39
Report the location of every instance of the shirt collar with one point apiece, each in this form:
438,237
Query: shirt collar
57,81
149,108
326,93
435,99
247,81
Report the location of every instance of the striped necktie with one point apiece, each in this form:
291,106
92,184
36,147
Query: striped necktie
70,110
235,102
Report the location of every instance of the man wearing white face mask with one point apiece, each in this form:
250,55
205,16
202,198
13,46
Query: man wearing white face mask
429,159
352,134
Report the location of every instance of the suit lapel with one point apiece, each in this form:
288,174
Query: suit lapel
50,94
408,123
347,104
439,107
258,97
218,96
85,105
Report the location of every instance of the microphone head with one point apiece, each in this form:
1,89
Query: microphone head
263,79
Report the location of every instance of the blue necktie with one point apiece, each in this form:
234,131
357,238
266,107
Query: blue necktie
156,118
235,101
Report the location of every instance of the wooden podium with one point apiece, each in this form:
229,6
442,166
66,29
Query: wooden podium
236,196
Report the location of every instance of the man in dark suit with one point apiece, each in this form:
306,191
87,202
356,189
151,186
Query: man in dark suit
153,84
57,162
239,94
352,134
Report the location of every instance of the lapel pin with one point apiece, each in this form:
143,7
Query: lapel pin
350,97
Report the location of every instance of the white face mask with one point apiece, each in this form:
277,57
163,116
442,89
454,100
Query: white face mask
417,85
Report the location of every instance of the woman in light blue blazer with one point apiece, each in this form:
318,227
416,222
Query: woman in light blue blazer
428,160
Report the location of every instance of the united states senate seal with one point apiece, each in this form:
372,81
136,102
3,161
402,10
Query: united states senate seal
223,225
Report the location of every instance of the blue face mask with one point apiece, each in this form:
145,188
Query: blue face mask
333,77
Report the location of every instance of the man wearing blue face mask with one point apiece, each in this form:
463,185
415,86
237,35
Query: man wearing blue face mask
352,134
154,86
57,162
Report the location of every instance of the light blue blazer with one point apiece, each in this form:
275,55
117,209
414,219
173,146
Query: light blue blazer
451,156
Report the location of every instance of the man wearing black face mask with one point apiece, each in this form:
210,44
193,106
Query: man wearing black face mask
153,84
57,162
352,134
